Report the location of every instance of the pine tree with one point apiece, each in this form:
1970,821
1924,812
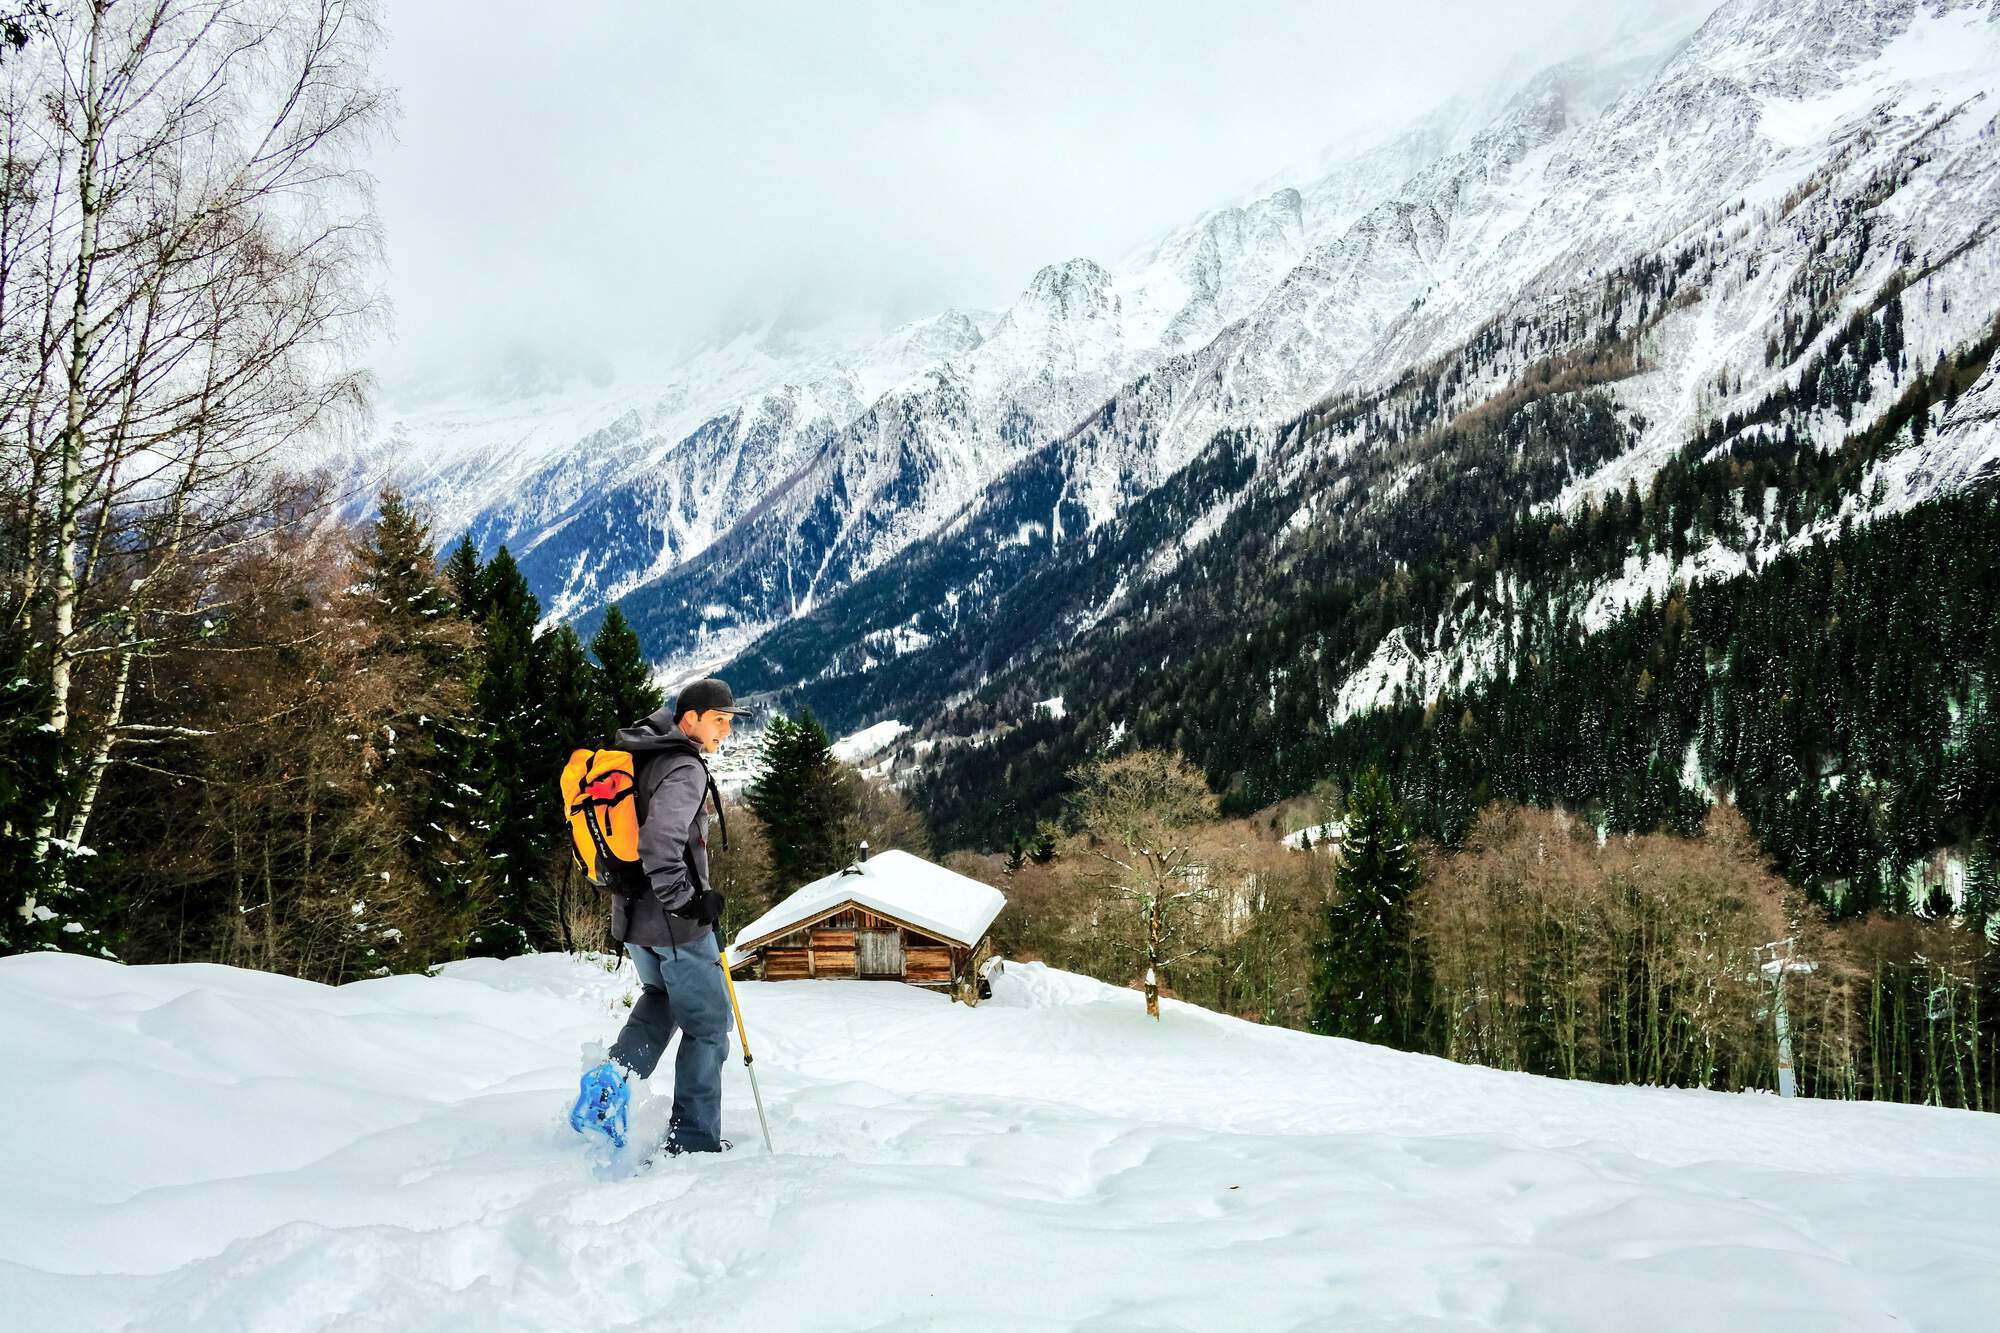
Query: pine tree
527,752
629,690
29,765
574,702
1366,981
461,573
432,751
399,567
574,687
1892,335
803,801
1982,890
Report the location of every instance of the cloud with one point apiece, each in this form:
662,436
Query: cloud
587,191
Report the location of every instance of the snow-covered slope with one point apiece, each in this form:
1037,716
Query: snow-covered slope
1592,163
203,1148
1893,108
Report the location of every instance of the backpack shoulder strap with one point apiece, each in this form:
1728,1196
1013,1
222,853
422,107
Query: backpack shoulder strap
715,794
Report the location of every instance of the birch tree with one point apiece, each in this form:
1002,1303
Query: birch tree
186,250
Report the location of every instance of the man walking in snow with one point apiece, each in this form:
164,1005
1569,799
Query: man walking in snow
670,928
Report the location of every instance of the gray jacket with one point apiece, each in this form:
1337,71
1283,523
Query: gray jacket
673,836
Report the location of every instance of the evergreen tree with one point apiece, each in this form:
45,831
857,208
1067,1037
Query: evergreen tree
576,704
461,573
398,567
579,715
803,802
29,753
1982,890
527,753
1892,334
629,690
432,750
1366,982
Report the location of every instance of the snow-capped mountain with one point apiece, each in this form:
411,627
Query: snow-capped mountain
1078,335
923,451
1813,354
775,467
851,507
1807,153
1590,164
599,490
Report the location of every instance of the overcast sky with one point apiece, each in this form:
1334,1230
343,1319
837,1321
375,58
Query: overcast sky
590,189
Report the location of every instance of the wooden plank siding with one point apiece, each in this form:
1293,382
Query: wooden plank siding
787,964
833,953
927,964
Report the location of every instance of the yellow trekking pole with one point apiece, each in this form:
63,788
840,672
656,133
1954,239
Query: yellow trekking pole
722,961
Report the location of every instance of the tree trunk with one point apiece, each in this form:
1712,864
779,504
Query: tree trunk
565,883
270,910
1155,956
63,591
100,758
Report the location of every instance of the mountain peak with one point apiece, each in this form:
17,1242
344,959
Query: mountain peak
1073,289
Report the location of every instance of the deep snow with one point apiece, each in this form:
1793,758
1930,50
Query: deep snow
198,1147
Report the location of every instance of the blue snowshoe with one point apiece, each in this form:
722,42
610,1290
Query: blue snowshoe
602,1101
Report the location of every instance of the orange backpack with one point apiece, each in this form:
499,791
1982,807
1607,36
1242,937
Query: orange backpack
601,802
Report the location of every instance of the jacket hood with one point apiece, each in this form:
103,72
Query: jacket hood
654,735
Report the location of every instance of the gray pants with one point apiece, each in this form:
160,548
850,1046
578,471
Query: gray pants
684,990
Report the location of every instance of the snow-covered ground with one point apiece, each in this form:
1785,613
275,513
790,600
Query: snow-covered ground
868,742
203,1148
1318,834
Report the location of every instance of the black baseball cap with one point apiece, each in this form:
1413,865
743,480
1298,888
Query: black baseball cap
709,695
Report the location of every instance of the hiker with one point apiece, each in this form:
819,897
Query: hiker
669,928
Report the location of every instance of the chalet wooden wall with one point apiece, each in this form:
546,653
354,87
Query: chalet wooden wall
855,942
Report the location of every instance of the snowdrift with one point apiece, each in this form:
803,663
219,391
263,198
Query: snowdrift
197,1147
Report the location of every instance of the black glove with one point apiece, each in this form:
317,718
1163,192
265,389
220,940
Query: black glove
704,909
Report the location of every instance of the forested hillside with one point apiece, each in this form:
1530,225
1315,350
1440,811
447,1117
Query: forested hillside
1408,572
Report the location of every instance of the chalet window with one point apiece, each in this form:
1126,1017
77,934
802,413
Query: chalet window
879,953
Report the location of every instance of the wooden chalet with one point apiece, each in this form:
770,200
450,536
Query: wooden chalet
892,917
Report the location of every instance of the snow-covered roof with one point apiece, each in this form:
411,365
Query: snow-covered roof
896,884
1334,830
